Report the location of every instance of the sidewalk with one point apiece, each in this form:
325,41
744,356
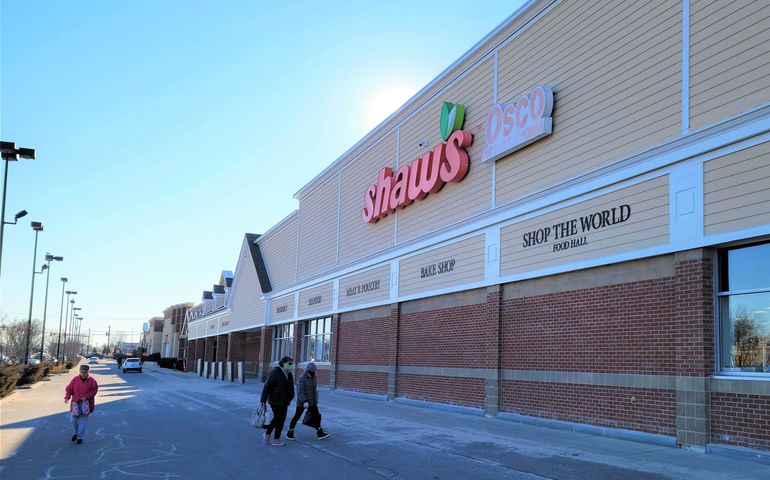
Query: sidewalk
376,426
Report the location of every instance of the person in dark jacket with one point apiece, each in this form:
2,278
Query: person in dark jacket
307,395
279,392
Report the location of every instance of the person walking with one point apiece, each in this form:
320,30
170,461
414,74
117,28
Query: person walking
307,395
81,389
279,392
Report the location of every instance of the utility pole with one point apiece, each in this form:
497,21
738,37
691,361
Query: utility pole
108,339
88,343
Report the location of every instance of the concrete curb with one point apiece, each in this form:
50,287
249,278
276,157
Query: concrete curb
642,437
738,453
476,412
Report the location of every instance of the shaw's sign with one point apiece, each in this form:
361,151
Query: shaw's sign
513,126
447,162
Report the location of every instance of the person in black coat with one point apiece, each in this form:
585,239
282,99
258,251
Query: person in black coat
279,392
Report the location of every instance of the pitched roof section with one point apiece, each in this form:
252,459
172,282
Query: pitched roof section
259,262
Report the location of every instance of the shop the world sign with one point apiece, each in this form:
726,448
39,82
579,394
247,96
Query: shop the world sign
513,126
447,162
574,232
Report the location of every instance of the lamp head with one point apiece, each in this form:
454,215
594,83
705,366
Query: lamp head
28,153
36,226
64,279
22,213
58,259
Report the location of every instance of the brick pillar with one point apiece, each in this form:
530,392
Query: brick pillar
694,344
236,347
297,350
493,349
265,350
221,348
335,349
393,327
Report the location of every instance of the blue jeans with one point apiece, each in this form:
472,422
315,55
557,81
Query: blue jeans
79,425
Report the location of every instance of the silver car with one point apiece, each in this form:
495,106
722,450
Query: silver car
130,364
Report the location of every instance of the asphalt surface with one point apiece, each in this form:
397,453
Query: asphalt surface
166,424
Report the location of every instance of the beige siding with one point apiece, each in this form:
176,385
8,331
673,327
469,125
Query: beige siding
737,190
422,273
280,254
366,287
282,308
359,239
211,328
615,70
729,58
456,201
245,305
647,226
316,299
318,231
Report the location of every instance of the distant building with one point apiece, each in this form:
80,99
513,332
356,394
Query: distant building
153,341
173,322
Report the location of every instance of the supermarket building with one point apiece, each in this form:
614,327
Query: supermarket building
570,224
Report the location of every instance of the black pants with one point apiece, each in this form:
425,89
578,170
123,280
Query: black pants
279,418
298,413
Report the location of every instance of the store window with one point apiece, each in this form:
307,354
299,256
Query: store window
283,342
744,310
317,340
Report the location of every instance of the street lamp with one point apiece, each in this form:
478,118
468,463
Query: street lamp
61,309
80,322
48,258
67,320
72,322
10,153
37,227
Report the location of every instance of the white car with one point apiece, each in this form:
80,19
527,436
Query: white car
93,360
132,364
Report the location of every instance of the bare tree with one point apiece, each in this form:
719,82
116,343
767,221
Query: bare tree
13,338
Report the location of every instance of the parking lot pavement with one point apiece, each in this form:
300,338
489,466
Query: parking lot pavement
167,424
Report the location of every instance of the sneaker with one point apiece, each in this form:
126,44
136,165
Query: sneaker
290,434
321,434
266,438
74,437
80,440
278,443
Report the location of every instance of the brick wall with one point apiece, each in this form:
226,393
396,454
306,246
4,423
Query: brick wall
645,410
742,420
365,338
367,382
624,328
467,392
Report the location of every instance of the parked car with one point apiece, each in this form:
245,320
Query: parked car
93,360
130,364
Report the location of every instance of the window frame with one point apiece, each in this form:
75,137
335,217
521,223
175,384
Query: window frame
311,338
720,275
282,344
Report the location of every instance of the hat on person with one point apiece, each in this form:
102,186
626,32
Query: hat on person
84,368
310,367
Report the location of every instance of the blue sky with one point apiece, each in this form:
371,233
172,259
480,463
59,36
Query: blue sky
165,130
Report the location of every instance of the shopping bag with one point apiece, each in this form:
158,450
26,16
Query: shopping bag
311,419
258,417
80,409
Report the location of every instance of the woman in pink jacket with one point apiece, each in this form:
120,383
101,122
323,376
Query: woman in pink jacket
82,387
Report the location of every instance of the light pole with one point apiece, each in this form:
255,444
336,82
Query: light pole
10,153
66,322
61,309
72,321
88,343
80,341
48,258
37,227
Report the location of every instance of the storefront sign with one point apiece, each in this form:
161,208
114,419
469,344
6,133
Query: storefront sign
572,233
437,268
513,126
281,309
314,300
362,288
446,163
